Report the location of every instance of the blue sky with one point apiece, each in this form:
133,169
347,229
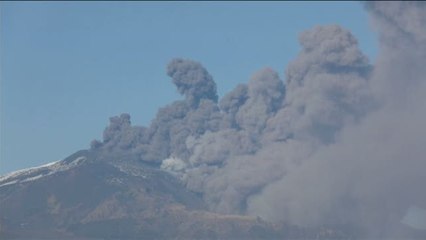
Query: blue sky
66,67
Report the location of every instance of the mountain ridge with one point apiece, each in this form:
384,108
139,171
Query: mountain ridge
90,196
82,197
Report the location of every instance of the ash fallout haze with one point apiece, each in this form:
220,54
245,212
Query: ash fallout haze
337,139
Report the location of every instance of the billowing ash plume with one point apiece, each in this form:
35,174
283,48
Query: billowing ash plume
339,142
192,80
326,86
374,172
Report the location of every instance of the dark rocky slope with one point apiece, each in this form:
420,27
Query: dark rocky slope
91,196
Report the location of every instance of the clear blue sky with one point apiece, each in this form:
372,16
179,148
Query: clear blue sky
66,67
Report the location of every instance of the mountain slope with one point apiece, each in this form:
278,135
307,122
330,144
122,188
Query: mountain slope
89,196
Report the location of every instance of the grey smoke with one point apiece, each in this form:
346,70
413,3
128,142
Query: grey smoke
230,104
375,171
326,86
326,89
264,96
339,141
192,80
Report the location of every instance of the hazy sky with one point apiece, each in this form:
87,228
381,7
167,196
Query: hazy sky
67,67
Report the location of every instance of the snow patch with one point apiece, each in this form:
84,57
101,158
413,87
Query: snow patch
9,183
33,178
25,171
34,173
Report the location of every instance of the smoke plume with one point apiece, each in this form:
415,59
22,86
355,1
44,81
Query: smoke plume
339,141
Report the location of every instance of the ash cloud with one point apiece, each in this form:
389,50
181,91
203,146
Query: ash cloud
338,141
192,80
326,86
374,172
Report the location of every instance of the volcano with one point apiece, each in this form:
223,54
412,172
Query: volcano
93,196
87,197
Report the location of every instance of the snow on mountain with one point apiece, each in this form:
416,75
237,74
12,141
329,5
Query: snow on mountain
33,173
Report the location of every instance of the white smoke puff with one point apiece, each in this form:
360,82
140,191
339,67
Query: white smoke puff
173,164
